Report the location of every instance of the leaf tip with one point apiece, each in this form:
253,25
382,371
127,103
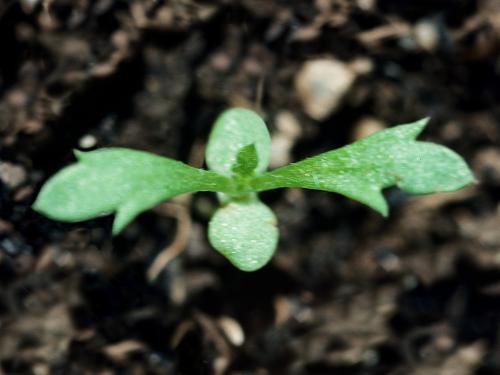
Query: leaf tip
417,127
470,179
381,207
42,203
115,231
118,226
123,216
79,155
424,121
37,205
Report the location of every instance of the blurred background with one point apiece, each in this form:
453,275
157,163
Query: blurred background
348,292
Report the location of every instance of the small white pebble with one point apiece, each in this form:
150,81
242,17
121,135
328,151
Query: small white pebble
87,141
426,35
321,85
232,329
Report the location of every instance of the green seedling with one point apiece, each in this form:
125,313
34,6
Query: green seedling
127,182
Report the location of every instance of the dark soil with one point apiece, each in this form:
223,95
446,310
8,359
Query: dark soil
348,291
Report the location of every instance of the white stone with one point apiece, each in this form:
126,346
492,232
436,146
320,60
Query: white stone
321,84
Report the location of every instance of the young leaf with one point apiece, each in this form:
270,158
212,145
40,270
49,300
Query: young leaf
361,170
245,233
118,180
246,161
233,130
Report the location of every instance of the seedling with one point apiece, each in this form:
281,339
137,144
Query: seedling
127,182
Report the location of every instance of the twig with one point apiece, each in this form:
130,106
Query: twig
179,212
120,350
391,30
221,362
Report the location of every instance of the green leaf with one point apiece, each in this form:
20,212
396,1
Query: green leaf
246,161
118,180
245,233
233,130
361,170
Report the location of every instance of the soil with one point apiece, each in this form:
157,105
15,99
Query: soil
348,291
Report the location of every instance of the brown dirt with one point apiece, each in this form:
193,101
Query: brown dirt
348,291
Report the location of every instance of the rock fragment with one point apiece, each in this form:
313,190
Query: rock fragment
12,175
321,85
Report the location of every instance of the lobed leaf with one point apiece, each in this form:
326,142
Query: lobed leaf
245,232
361,170
233,130
121,181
